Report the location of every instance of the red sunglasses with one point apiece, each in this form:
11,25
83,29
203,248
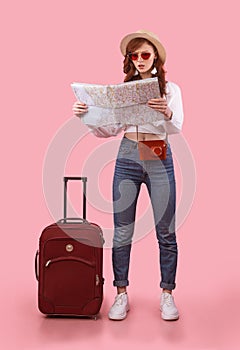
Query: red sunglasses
134,56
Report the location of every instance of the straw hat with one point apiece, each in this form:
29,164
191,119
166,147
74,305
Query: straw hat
146,35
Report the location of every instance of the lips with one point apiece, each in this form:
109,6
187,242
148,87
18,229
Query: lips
141,66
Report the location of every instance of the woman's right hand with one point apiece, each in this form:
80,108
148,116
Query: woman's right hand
79,108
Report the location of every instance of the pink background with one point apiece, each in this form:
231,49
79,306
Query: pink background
44,47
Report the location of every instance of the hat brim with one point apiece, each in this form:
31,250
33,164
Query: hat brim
125,41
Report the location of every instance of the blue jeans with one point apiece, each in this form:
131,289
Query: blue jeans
158,176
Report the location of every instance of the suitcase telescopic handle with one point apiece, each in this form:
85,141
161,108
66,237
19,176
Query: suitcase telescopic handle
72,220
72,178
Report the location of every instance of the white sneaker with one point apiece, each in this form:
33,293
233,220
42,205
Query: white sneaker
119,308
168,307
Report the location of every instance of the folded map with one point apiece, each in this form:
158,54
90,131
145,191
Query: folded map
124,103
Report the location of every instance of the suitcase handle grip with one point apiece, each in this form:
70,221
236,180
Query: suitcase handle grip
72,221
37,265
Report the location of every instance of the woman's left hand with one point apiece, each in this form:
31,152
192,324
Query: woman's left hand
160,105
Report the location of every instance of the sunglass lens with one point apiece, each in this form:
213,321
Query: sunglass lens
133,56
145,55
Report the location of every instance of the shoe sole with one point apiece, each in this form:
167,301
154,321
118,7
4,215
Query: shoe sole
170,318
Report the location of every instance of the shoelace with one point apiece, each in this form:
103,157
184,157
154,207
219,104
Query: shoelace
168,299
119,300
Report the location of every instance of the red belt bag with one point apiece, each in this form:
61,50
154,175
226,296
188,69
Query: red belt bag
152,149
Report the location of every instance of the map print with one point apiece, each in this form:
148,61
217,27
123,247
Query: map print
124,103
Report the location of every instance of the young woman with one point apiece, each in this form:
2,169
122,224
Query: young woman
144,57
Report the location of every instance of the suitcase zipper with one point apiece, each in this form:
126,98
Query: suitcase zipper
48,263
70,258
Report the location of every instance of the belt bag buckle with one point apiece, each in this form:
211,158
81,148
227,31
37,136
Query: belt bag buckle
152,149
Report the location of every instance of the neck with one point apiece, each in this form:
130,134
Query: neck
146,75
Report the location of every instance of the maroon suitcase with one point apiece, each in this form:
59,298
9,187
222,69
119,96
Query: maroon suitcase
69,265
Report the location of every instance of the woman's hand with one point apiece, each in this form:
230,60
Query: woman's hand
160,105
79,108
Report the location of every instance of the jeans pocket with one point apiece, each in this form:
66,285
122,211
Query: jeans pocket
124,150
126,147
